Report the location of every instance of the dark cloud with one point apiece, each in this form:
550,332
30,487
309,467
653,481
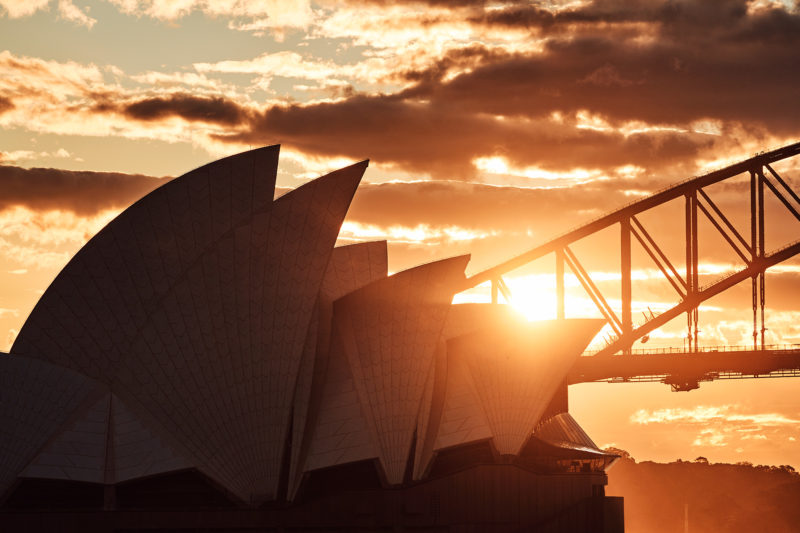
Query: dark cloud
467,56
691,59
433,3
438,138
215,110
654,63
85,193
5,104
663,83
649,63
669,17
475,206
443,139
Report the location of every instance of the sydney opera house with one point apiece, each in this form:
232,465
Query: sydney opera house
210,361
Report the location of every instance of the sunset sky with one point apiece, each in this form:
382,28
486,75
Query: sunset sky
490,126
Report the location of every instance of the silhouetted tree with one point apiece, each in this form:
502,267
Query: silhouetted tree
619,451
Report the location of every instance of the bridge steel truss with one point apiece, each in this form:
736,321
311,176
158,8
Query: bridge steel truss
751,249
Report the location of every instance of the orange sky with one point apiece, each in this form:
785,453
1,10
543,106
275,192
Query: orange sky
490,126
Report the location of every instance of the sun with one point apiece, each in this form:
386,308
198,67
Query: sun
533,296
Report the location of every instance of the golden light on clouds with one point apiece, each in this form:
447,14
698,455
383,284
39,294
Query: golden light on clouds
422,234
705,414
723,425
502,166
46,240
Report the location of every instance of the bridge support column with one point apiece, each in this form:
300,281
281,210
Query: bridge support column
757,252
691,269
754,251
560,312
625,279
761,251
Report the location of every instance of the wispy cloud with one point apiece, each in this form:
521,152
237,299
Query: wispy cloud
33,240
70,98
82,193
723,425
66,10
69,11
710,437
264,14
18,156
704,414
22,8
422,234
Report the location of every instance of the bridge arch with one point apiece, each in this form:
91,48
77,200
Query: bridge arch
750,248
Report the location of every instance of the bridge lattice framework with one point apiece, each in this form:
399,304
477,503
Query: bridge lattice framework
750,248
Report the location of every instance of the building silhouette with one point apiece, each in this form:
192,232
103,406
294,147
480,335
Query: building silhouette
211,361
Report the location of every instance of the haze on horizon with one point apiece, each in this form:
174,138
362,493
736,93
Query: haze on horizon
489,125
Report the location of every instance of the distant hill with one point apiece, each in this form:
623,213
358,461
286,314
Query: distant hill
722,498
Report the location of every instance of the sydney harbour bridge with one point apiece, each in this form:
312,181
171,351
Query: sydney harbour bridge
682,368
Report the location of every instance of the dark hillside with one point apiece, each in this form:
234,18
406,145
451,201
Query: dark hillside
721,498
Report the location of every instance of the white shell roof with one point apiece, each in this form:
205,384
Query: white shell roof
104,443
516,368
36,400
389,331
350,268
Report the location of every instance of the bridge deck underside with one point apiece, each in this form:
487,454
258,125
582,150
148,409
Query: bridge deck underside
699,366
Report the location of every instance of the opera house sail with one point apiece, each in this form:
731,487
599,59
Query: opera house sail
211,353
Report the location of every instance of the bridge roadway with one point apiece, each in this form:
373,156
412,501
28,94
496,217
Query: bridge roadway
684,370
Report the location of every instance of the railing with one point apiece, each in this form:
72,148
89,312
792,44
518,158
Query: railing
556,236
784,348
731,274
711,376
613,338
